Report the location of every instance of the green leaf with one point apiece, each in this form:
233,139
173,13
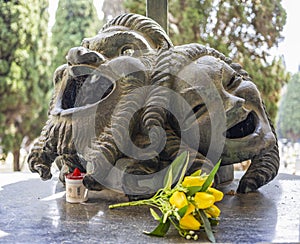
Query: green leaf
177,169
166,217
185,165
182,211
197,173
214,221
169,179
160,230
207,226
193,189
155,215
211,176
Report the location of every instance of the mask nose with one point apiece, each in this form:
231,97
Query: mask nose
82,55
234,109
232,102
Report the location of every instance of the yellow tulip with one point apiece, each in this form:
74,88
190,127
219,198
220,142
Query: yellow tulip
213,211
190,209
193,181
178,199
189,222
216,193
204,200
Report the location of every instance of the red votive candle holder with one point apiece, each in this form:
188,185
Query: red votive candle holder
76,192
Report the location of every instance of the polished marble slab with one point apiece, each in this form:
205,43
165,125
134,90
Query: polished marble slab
35,211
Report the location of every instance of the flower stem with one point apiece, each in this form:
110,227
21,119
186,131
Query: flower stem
180,231
134,203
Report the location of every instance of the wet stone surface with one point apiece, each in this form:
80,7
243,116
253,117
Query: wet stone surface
34,211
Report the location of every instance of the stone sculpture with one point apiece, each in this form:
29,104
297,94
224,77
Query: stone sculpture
127,102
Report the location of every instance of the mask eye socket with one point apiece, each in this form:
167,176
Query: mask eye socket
127,51
231,82
234,81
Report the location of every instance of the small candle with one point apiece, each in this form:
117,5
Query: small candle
75,190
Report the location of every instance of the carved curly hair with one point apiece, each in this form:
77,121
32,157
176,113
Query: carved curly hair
141,24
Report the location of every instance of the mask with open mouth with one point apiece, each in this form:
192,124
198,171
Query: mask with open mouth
122,86
94,88
241,130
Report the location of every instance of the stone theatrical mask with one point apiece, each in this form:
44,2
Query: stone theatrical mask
128,102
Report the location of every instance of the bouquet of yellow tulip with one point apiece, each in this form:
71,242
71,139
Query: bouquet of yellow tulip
189,205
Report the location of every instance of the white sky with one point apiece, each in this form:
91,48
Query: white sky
289,48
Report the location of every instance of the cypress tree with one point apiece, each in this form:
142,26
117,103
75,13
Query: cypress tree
288,120
75,20
24,75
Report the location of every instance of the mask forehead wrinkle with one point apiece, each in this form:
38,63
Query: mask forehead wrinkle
197,82
109,43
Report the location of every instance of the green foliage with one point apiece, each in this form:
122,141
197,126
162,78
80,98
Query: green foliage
269,78
243,31
136,6
288,121
75,20
24,75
